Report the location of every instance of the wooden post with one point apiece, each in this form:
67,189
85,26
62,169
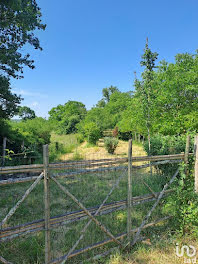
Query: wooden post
22,145
196,164
4,150
129,200
47,203
186,155
187,149
57,146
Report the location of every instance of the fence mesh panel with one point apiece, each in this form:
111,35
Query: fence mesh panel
94,180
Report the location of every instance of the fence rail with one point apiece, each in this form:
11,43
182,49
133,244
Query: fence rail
88,163
50,172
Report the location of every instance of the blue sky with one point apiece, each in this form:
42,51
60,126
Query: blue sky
92,44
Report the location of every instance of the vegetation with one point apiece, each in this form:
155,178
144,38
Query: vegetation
19,20
90,189
26,113
110,144
163,108
183,203
61,145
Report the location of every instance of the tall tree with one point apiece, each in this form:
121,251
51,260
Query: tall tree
144,87
8,101
18,21
66,117
26,113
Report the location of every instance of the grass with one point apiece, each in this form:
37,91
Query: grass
62,144
160,248
89,151
90,189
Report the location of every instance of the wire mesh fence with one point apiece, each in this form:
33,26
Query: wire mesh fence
87,210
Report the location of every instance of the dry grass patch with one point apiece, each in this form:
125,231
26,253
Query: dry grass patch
161,252
94,152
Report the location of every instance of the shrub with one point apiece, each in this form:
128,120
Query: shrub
166,145
183,203
110,144
92,132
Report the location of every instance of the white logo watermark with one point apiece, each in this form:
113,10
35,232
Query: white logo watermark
190,251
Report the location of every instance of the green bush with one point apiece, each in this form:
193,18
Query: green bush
92,132
183,203
110,144
166,145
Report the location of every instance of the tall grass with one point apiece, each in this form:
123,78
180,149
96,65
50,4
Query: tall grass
61,144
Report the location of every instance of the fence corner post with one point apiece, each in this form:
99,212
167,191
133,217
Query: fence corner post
47,203
129,198
196,164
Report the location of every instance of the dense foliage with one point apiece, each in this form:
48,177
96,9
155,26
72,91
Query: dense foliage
26,113
167,145
67,116
8,101
18,21
183,203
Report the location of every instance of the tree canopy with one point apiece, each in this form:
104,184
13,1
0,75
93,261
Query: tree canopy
8,101
18,21
26,113
66,117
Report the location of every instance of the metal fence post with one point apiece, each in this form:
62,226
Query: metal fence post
47,203
129,200
196,164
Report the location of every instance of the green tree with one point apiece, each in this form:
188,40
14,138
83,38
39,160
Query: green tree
144,88
132,119
107,92
26,113
114,109
8,101
35,132
18,21
176,95
66,117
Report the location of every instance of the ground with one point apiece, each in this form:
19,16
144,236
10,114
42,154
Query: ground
160,249
88,151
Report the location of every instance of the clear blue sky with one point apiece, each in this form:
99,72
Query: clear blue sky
92,44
